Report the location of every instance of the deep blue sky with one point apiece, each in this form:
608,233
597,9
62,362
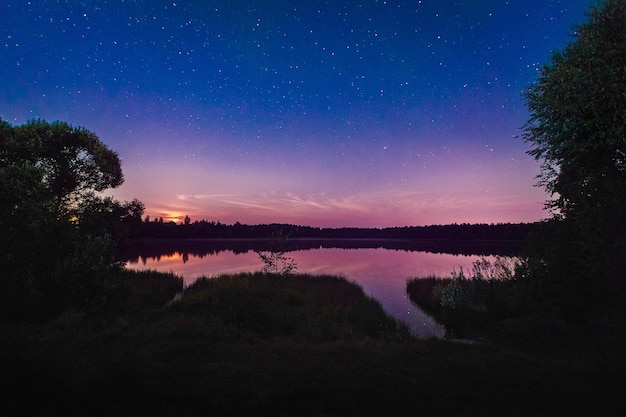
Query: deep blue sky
322,113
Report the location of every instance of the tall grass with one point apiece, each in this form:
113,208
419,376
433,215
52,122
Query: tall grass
146,289
297,307
465,303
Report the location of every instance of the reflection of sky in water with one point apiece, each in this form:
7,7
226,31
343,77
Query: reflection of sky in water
382,273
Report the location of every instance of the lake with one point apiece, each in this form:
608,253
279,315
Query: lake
380,268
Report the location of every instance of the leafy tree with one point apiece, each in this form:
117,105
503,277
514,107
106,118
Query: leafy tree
73,160
58,235
577,129
578,122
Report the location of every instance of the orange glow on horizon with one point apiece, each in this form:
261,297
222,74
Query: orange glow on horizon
377,211
169,216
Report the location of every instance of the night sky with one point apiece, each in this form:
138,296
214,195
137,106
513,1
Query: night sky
320,113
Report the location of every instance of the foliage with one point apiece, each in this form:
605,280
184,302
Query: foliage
140,291
484,289
497,268
304,354
482,237
459,293
577,129
171,365
275,260
494,291
578,123
72,160
58,235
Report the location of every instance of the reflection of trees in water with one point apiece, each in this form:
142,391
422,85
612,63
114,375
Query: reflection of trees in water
133,251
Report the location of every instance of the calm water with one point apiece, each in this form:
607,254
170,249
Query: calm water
382,273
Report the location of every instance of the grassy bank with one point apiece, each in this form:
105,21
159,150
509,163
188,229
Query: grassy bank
263,345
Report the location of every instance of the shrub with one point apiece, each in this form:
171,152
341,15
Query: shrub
275,260
494,291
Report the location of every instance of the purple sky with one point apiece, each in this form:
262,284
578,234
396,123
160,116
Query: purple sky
321,113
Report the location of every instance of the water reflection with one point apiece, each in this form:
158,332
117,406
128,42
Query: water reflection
381,272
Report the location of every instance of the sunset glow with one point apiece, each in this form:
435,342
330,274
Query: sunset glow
365,114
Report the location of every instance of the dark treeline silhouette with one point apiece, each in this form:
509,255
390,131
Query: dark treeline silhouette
202,238
215,230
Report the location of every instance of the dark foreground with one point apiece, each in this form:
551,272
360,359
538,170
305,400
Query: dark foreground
290,347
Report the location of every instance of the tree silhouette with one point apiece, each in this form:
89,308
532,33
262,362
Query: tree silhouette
58,235
73,160
577,129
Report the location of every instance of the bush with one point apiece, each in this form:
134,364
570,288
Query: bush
466,303
275,261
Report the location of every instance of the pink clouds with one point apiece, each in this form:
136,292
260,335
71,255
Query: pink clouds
360,210
397,185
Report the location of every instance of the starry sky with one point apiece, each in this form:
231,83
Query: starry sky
367,113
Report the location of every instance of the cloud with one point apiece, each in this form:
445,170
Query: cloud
374,209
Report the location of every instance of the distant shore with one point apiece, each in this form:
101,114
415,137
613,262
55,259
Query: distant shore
134,248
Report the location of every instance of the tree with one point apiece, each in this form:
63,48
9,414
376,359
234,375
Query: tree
58,235
578,122
73,160
577,129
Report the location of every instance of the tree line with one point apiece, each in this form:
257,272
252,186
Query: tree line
204,229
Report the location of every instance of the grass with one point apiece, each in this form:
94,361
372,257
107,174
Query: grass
472,314
259,345
302,308
499,312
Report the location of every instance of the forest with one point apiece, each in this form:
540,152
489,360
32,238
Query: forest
203,229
